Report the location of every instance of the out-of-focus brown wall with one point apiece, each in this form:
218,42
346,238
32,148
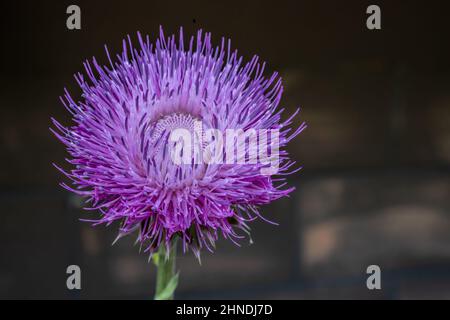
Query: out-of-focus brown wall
375,187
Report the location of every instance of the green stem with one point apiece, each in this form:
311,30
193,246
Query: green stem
166,279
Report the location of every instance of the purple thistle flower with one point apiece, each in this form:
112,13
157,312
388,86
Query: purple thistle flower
119,143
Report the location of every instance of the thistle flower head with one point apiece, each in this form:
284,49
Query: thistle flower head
124,155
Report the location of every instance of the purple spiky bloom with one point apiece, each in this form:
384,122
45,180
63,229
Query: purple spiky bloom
118,144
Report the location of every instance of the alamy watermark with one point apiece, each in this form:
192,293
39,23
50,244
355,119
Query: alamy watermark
373,21
231,146
374,280
73,21
74,279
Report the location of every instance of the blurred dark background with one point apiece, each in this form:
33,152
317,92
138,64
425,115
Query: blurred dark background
375,188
